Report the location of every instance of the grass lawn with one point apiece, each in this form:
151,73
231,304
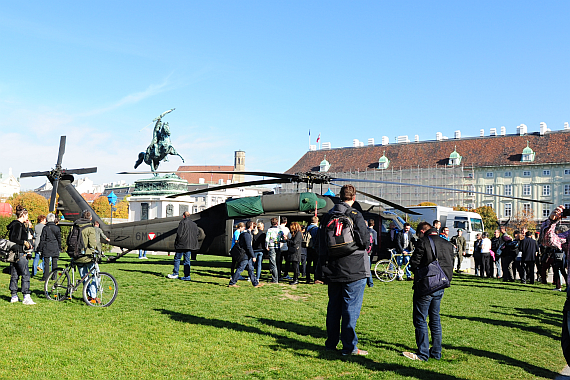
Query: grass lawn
161,329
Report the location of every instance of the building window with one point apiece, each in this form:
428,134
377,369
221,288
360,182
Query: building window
508,174
566,205
566,171
470,175
508,210
471,189
144,211
526,173
489,205
546,172
545,190
545,212
526,190
508,189
489,175
489,189
169,210
526,209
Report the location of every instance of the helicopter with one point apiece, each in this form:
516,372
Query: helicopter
216,224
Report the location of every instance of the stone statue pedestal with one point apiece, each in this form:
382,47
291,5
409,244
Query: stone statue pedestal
149,198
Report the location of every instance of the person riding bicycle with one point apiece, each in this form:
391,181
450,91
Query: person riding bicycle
85,263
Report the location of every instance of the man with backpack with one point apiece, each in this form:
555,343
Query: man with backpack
343,241
81,243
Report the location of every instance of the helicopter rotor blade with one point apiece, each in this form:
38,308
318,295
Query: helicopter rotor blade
53,195
81,171
230,186
62,140
260,174
436,187
34,174
395,205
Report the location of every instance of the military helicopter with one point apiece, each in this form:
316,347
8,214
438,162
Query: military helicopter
217,223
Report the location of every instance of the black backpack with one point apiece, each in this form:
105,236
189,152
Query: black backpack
75,244
9,251
339,235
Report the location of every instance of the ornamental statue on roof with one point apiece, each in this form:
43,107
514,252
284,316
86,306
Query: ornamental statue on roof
454,157
527,154
324,165
160,145
383,162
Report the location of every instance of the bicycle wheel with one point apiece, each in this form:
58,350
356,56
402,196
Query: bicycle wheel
105,288
57,285
385,270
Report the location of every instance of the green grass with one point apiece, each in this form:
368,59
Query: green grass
161,328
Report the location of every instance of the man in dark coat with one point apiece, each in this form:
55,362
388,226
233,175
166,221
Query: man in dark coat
346,278
245,258
425,305
186,241
529,249
50,245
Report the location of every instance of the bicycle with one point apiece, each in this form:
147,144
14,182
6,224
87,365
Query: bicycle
388,270
61,284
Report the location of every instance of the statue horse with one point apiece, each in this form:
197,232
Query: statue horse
158,151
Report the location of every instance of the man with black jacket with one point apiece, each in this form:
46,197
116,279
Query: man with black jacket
425,305
245,258
346,278
186,241
529,249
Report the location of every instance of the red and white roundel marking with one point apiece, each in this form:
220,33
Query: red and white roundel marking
151,235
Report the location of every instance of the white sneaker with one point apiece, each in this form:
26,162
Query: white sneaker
14,299
173,276
28,300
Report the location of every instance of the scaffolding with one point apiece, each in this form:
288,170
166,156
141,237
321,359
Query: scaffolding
457,177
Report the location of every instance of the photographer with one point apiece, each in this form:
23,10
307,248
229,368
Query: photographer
18,234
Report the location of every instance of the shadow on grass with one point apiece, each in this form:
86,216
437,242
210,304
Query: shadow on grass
288,342
503,359
157,274
547,317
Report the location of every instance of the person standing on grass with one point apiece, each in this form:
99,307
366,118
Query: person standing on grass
258,244
460,247
428,305
404,247
18,234
495,245
186,241
346,278
486,268
37,265
295,250
50,245
99,235
529,249
272,239
561,242
246,258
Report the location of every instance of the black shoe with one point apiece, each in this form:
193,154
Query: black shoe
294,283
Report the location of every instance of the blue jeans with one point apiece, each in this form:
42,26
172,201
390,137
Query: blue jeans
142,253
345,301
257,264
92,286
370,280
498,265
403,260
425,306
37,263
240,268
186,263
273,265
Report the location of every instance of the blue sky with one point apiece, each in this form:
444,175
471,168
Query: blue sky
257,75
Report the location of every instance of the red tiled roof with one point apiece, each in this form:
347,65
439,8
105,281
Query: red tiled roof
208,178
477,152
90,197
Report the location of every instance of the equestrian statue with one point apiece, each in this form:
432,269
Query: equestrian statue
159,147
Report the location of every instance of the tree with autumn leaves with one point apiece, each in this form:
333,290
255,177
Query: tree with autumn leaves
34,203
102,208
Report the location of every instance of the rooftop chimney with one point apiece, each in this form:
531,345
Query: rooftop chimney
326,145
503,131
543,128
482,132
493,132
312,147
385,140
402,139
355,143
371,141
566,126
438,136
417,137
458,134
521,130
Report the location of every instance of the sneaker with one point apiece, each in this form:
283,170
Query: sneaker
28,300
14,299
173,276
187,278
357,352
411,355
557,290
143,258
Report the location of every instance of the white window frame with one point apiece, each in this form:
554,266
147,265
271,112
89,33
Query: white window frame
526,208
508,210
526,173
546,172
545,212
489,189
508,174
546,191
527,189
566,171
566,189
508,190
489,175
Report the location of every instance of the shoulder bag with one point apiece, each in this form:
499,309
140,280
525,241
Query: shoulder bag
430,278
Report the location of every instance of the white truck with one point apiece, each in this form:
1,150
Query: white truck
470,222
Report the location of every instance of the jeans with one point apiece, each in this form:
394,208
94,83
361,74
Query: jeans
425,306
345,301
257,264
186,263
92,286
37,263
17,269
49,261
370,280
240,268
403,260
142,253
304,263
273,265
498,265
565,340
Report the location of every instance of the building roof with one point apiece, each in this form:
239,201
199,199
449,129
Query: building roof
208,178
549,148
90,197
